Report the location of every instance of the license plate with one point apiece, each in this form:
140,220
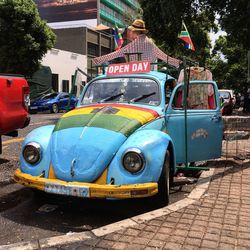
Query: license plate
33,108
67,190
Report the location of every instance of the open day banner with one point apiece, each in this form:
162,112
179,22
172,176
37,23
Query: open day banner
67,10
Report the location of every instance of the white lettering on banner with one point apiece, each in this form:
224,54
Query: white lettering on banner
126,70
140,67
110,70
134,67
129,68
116,68
145,64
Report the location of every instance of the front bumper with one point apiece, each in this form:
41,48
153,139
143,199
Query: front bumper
27,122
38,108
86,190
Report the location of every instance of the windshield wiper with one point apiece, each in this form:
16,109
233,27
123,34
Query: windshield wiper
140,97
111,97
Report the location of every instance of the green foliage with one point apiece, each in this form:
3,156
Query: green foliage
129,18
165,26
234,19
25,38
232,72
163,18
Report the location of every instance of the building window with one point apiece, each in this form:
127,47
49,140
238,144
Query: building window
93,49
55,82
65,85
92,71
105,51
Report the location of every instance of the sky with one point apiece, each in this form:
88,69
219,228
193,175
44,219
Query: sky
215,36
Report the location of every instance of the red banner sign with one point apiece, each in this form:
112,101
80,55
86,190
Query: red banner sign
129,68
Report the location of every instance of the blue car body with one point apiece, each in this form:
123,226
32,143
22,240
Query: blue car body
50,101
84,154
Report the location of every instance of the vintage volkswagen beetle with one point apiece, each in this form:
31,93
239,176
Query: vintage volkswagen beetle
123,139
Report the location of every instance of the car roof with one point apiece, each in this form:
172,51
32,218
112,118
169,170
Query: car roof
226,90
160,76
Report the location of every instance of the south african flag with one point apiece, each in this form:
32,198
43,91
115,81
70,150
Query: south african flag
184,35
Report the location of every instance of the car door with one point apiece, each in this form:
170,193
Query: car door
204,122
63,101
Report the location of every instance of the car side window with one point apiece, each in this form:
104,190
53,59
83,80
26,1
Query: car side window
168,88
64,96
200,96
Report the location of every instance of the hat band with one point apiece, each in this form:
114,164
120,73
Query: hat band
138,27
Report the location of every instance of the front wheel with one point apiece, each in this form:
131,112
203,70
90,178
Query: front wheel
55,108
163,183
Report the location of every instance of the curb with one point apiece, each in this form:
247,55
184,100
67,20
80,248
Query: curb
195,195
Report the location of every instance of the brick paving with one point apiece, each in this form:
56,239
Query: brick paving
220,219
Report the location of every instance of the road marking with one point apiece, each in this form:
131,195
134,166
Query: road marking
37,123
12,141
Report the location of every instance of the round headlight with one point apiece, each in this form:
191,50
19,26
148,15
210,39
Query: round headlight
32,153
133,160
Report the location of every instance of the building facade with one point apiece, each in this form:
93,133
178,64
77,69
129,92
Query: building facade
75,48
78,42
78,13
63,65
116,12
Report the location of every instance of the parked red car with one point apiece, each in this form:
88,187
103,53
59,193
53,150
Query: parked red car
227,102
14,92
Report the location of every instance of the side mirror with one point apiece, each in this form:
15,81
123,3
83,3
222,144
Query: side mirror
76,102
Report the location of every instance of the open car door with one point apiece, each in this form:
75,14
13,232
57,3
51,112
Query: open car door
204,122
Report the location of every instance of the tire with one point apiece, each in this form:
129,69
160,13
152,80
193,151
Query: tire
55,108
164,182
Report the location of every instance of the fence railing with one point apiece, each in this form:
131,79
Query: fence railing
236,143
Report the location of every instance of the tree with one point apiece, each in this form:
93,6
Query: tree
164,18
232,71
25,38
233,16
129,18
234,19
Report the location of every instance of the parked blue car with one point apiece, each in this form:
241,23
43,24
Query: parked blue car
54,102
124,138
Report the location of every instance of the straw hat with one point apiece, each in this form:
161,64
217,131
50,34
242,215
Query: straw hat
138,25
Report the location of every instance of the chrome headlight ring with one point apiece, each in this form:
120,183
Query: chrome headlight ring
32,153
133,160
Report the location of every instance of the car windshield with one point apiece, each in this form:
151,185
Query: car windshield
225,94
49,96
129,90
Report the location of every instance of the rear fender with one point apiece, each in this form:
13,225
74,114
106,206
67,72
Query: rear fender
153,144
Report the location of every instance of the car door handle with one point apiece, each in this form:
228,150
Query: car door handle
216,118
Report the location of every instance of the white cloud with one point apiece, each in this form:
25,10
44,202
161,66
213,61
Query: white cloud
214,36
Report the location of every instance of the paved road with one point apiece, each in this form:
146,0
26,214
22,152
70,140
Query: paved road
25,215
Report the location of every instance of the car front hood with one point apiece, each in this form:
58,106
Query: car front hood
86,139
